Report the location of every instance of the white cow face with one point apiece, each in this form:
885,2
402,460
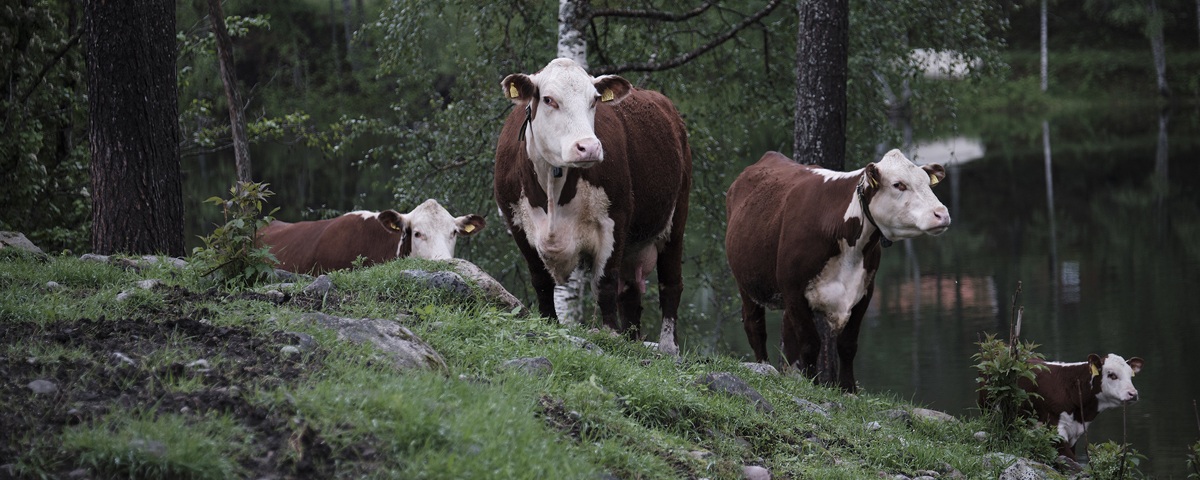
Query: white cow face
904,205
434,231
1116,379
563,99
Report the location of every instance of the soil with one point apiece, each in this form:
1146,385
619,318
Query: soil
102,382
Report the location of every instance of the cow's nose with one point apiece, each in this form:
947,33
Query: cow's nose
588,149
1133,396
942,216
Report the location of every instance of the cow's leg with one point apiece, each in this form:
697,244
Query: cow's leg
670,277
801,344
755,322
543,282
847,343
827,355
608,281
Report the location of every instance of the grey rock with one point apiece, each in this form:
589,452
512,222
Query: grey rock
8,469
981,436
755,472
895,414
121,357
149,284
901,476
121,297
732,385
998,459
586,345
922,474
1068,463
18,240
320,286
1028,470
448,281
490,287
925,477
152,447
761,368
536,366
42,387
277,286
90,257
178,263
305,341
289,349
950,472
405,348
79,472
651,345
810,407
872,426
700,454
289,277
53,285
932,415
201,363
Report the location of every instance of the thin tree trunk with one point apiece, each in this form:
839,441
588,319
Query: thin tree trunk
133,116
822,53
572,44
1045,55
1155,32
348,12
237,121
337,54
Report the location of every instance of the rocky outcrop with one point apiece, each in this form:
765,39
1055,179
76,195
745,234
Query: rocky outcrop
490,287
406,350
18,240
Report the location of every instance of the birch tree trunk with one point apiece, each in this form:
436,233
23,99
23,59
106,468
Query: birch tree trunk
572,44
1045,59
822,55
1154,29
237,121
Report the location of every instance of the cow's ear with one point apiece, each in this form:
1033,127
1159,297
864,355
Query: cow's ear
612,88
936,173
1136,364
391,220
873,176
519,88
1095,363
470,224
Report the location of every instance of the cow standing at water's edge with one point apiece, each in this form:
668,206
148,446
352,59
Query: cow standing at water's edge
808,240
595,171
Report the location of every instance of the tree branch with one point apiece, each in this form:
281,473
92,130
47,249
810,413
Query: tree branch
653,66
57,56
652,14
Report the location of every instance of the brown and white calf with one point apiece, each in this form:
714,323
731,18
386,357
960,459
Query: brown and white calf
429,232
1072,394
807,240
596,172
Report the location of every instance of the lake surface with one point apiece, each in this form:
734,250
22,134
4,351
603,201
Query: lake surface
1104,237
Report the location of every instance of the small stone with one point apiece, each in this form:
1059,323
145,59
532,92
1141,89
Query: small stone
733,385
88,257
981,436
184,409
201,363
52,285
895,414
755,472
586,345
872,426
646,362
321,286
121,297
79,472
700,454
926,474
536,366
42,387
123,358
149,284
305,341
73,411
205,321
933,415
289,349
234,391
275,296
651,345
810,407
901,476
761,368
152,447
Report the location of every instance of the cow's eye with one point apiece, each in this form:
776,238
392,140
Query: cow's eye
1112,375
595,100
550,101
900,186
416,234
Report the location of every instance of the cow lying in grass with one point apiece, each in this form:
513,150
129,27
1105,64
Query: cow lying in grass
428,232
1072,394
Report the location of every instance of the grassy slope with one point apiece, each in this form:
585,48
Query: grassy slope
627,412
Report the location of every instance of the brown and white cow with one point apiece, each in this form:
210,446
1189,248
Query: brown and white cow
428,232
593,171
807,240
1072,394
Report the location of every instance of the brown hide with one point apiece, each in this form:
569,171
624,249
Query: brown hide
646,174
1063,388
784,223
325,245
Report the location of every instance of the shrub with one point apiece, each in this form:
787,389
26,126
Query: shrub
1005,403
229,252
1111,460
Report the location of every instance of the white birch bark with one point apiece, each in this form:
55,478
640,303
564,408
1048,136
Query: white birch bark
571,42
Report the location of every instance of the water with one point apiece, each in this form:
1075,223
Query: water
1104,238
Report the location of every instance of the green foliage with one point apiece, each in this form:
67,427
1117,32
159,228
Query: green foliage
1193,461
1113,461
1000,368
230,250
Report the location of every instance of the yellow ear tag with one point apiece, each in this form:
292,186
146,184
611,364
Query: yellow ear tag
469,228
512,91
1094,370
933,180
607,96
394,227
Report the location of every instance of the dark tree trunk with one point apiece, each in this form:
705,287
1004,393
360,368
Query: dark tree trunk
137,196
237,119
822,52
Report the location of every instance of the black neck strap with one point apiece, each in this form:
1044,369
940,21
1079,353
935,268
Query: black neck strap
862,201
528,123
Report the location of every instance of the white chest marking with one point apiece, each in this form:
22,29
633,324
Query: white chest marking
839,286
561,233
1069,429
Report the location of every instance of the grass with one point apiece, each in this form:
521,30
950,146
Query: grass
626,411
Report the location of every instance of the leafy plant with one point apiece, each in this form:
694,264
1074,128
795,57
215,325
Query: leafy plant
1193,461
230,251
1111,460
1000,368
